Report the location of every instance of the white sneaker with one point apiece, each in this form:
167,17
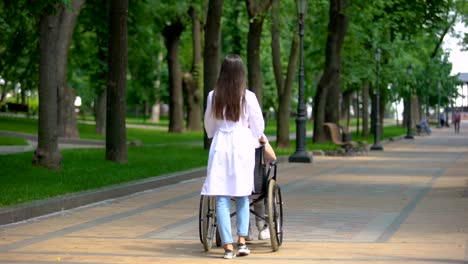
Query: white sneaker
229,254
264,233
243,250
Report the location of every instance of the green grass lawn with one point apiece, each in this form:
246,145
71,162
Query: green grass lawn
164,120
86,169
12,141
15,124
87,131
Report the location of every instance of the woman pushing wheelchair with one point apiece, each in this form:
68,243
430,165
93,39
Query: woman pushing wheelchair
233,118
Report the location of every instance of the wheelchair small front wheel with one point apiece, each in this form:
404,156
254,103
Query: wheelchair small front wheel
275,214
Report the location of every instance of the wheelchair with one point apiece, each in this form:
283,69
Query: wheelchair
269,193
420,130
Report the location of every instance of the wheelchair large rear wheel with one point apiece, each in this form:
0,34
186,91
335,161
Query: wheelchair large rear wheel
275,214
207,221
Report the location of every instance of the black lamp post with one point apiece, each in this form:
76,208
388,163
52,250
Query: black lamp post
377,145
438,104
427,101
409,133
301,154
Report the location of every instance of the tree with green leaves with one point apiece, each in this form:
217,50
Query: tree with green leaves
212,52
326,100
66,126
172,33
284,86
193,80
89,60
145,55
413,34
56,99
257,11
174,18
47,153
19,50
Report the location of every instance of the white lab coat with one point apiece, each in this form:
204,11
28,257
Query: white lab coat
231,159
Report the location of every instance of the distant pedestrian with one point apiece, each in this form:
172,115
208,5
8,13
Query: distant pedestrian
456,121
442,119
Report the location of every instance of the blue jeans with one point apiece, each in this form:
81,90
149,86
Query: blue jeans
223,213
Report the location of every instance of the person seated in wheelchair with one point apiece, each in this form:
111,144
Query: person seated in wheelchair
259,208
270,154
424,126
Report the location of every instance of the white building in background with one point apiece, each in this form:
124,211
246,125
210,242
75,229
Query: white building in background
459,59
463,100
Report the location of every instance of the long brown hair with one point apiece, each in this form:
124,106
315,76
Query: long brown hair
229,93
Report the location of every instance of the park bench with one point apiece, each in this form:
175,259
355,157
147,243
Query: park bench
339,138
15,108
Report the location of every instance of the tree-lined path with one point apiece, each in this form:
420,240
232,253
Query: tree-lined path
407,204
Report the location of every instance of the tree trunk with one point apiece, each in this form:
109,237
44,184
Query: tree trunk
404,121
384,95
100,78
66,95
416,117
116,134
47,153
155,112
212,51
257,11
326,107
320,100
338,28
414,112
100,112
156,108
373,112
193,87
357,110
284,87
172,35
345,105
365,109
193,103
3,94
23,96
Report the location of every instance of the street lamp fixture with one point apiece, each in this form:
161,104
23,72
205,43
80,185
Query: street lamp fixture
428,83
377,145
301,155
301,7
409,132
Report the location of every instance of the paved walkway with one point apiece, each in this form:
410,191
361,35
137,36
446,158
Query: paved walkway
407,204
